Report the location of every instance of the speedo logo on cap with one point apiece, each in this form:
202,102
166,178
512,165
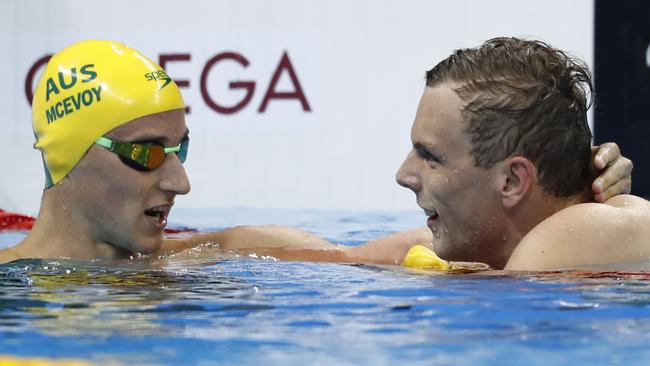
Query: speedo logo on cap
74,102
158,75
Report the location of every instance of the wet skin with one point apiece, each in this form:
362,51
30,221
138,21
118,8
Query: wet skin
461,200
143,199
106,209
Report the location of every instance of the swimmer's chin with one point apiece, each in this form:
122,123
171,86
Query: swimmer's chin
139,249
447,252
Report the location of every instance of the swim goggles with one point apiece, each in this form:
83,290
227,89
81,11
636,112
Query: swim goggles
145,156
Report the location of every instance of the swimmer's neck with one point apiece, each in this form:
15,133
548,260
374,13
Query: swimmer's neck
536,207
55,246
539,205
549,205
57,233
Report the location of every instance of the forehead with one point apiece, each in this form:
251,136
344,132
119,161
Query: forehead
439,120
165,126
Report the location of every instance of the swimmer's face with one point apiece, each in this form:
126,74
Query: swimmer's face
122,206
462,208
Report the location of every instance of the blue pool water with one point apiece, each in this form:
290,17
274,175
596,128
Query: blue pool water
212,310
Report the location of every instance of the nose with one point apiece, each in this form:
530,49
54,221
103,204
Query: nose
173,176
406,176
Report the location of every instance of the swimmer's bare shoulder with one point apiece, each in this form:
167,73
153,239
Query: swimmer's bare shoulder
9,255
617,231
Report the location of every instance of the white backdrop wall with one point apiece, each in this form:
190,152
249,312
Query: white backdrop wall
360,65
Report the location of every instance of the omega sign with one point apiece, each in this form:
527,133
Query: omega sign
284,67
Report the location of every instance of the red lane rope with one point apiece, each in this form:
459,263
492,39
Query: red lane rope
11,221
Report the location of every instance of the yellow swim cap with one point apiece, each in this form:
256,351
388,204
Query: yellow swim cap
87,90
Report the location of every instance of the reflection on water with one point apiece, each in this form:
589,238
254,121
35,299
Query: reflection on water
203,308
76,298
234,310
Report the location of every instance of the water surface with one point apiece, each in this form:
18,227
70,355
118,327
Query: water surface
204,310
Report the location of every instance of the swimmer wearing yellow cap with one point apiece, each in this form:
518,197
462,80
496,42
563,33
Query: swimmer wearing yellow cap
110,125
88,90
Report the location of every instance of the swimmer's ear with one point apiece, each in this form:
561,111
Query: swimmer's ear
517,177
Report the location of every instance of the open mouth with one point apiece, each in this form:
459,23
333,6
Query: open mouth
432,216
158,215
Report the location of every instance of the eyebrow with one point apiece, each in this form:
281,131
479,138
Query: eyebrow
158,138
430,148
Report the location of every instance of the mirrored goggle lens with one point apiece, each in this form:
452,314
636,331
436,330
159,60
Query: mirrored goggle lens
182,153
142,157
156,156
148,156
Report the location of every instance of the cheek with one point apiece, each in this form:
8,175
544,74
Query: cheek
467,199
112,192
438,186
126,190
480,215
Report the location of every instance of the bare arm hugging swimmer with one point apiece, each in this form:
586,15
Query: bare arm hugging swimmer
294,244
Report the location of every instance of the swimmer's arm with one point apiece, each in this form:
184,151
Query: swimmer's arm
390,249
287,243
281,242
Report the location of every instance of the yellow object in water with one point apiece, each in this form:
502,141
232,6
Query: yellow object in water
87,90
422,257
12,361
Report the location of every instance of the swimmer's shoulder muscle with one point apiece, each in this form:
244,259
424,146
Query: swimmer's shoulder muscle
587,234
